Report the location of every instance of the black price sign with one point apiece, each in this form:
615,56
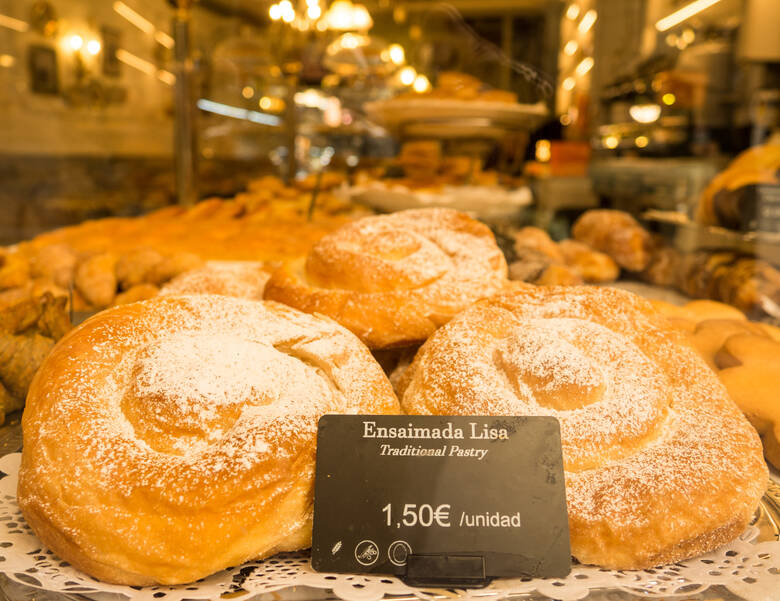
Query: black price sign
440,500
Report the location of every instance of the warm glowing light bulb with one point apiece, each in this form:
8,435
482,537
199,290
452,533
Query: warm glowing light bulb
248,92
93,47
275,12
587,21
669,99
568,84
350,41
573,11
642,141
570,48
586,64
421,84
408,75
362,18
683,14
397,54
543,151
645,113
75,42
314,11
611,142
265,103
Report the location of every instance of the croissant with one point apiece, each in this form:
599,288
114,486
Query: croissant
393,279
168,439
660,464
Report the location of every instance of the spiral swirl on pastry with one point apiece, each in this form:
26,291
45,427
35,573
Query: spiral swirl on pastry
169,439
393,279
660,464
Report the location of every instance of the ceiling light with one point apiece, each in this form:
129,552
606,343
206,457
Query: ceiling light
129,14
164,39
568,84
611,142
645,113
421,84
93,47
75,42
573,11
166,77
587,21
570,48
397,54
642,141
407,75
237,113
15,24
685,13
586,64
136,62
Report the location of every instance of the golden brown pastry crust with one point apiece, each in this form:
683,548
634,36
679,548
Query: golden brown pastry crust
660,464
537,239
393,279
168,439
592,265
96,280
617,234
242,279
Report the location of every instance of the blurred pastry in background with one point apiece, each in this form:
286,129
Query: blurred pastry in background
539,240
617,234
746,357
241,279
732,199
542,261
592,265
420,159
32,318
96,280
14,269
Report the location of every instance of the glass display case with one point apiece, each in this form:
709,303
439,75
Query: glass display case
312,187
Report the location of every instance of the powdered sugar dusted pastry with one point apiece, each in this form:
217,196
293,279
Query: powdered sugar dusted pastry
660,464
242,279
171,438
393,279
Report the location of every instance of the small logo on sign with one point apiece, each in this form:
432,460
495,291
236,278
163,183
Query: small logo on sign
366,552
398,552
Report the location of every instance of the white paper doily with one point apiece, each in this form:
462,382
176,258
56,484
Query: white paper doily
747,568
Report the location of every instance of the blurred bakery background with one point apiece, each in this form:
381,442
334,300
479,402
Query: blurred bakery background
602,140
